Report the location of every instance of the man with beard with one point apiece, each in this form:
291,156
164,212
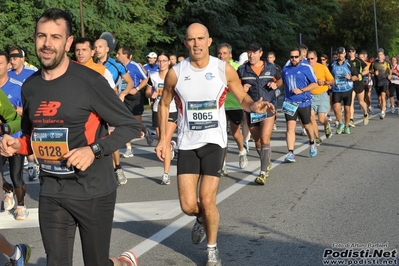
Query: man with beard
299,79
64,113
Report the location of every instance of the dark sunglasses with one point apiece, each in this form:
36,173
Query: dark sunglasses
294,56
323,59
310,59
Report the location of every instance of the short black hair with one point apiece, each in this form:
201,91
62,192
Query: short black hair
84,40
5,54
296,49
126,50
55,14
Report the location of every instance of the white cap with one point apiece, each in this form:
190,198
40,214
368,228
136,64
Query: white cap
152,55
243,58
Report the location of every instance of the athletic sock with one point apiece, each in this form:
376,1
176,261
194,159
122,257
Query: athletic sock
265,154
213,246
17,253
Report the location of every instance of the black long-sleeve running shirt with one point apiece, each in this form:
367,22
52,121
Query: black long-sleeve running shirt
82,102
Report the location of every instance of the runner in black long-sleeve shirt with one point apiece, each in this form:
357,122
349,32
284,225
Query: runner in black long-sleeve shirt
65,110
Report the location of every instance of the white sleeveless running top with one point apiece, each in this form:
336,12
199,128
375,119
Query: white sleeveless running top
200,97
157,84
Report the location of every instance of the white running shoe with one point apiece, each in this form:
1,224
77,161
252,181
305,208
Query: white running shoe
129,257
242,160
120,177
9,201
213,257
165,179
21,213
128,153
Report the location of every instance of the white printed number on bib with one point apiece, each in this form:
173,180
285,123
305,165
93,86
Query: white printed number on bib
289,108
49,145
256,118
202,115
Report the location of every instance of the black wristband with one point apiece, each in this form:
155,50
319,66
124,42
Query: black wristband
5,129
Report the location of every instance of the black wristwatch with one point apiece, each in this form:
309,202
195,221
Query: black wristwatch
96,148
5,129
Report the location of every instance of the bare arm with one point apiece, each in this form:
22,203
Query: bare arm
168,93
129,86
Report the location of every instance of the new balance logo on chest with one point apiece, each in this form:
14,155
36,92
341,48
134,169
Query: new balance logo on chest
48,109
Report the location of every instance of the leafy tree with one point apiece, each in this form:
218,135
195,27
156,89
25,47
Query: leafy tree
133,22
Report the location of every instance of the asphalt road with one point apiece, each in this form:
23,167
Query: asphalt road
344,197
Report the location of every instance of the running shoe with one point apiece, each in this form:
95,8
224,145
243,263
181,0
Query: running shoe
224,171
290,158
340,128
318,141
327,131
242,160
9,201
172,149
165,179
261,178
213,257
129,257
198,232
21,213
25,255
366,120
120,177
303,132
274,126
336,123
370,110
312,150
128,153
329,118
351,124
393,109
246,146
37,170
148,137
382,115
32,173
347,130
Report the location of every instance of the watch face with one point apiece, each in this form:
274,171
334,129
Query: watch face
96,148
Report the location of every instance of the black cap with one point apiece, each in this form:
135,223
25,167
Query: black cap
341,50
254,46
351,48
363,52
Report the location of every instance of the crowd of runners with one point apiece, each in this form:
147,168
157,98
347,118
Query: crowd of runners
201,96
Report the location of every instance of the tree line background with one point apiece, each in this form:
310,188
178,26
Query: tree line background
157,25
